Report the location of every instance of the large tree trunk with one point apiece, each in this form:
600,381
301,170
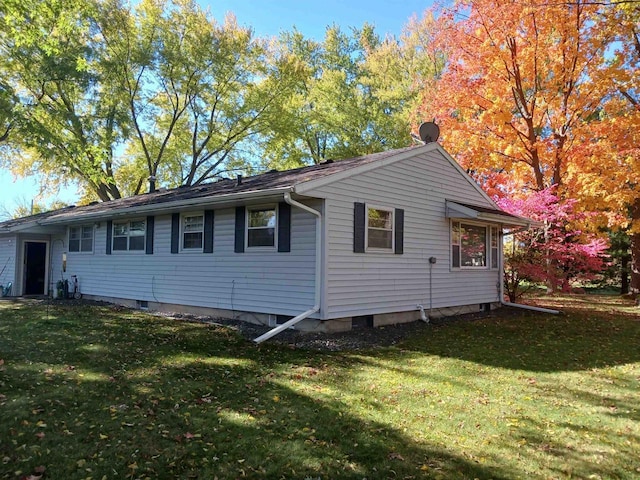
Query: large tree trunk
635,264
635,252
624,275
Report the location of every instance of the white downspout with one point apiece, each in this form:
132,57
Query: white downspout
517,305
423,315
318,273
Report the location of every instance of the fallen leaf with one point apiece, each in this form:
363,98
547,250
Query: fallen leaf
396,456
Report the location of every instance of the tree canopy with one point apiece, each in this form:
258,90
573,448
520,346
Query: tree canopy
537,95
121,97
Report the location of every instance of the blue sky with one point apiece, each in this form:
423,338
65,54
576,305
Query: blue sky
267,18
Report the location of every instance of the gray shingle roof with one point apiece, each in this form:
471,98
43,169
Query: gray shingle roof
17,222
258,183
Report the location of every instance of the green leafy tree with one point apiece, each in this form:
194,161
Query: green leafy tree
65,117
355,95
7,104
110,95
196,90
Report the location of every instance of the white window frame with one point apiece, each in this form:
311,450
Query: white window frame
389,249
184,231
247,228
494,244
491,233
81,229
128,236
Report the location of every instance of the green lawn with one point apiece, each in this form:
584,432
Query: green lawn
102,393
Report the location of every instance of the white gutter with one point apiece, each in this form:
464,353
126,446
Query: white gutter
318,273
518,305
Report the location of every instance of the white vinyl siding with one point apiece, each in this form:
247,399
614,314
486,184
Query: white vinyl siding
357,284
8,261
269,282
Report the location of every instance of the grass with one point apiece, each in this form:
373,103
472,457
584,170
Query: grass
102,393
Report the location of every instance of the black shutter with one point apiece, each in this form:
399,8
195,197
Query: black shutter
208,231
109,236
149,239
240,226
359,223
175,232
284,227
399,231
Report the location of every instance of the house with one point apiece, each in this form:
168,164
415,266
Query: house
384,238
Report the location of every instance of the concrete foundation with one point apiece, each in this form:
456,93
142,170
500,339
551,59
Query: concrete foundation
307,325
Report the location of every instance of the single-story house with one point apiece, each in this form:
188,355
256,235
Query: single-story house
383,238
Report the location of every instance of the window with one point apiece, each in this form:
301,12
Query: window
192,232
469,246
81,238
261,227
494,247
129,235
379,228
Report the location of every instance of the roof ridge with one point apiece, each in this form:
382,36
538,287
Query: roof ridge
262,182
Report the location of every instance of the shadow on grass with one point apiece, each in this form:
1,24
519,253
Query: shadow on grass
92,392
536,342
575,454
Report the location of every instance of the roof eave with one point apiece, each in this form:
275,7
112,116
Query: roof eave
505,220
21,227
32,228
455,210
181,204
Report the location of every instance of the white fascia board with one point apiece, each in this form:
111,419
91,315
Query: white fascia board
506,220
166,207
304,187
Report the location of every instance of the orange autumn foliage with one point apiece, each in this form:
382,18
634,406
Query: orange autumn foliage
538,94
517,86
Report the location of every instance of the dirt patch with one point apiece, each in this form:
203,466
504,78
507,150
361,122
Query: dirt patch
356,339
